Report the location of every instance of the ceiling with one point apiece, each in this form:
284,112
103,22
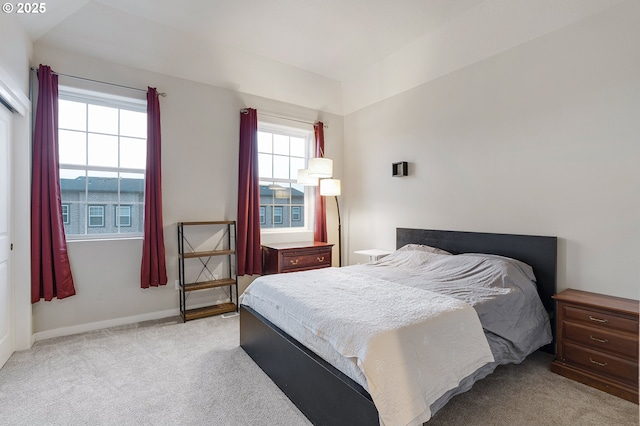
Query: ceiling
334,41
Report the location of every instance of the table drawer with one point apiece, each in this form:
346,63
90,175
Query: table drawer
600,319
601,363
306,260
601,339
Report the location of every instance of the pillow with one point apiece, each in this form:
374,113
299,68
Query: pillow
524,268
422,247
411,256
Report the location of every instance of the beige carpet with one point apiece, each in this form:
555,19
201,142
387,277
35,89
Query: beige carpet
169,373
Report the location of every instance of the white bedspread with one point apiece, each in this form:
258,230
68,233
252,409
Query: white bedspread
412,345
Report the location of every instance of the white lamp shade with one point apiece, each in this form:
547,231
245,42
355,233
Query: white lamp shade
320,167
304,179
329,187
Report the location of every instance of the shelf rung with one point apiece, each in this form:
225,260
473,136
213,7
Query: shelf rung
208,311
212,222
207,253
203,285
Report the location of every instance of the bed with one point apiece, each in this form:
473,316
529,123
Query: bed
328,396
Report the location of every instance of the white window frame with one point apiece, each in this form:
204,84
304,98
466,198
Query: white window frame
101,215
279,215
118,215
114,101
263,215
296,215
309,191
66,215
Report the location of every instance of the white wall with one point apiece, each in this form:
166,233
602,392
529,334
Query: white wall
200,128
15,53
541,139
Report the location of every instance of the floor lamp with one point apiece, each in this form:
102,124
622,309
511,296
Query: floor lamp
328,188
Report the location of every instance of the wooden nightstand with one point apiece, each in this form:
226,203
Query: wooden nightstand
597,339
291,257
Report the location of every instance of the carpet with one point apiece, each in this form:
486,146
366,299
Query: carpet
170,373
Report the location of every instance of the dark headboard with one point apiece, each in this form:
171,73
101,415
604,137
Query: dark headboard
538,252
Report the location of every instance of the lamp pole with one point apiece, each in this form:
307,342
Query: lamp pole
339,233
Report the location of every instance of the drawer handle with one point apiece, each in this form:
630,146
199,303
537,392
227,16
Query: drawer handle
598,340
294,261
601,364
597,319
321,259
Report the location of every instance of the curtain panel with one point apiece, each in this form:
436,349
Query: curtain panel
248,243
320,227
153,272
50,268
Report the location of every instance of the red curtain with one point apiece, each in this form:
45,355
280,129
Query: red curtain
50,269
320,228
153,272
248,244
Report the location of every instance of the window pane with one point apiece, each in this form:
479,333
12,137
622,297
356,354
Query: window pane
133,153
72,115
280,144
298,147
123,216
102,197
133,123
103,119
264,142
296,164
96,216
265,169
72,147
280,167
72,185
277,215
65,214
132,193
103,150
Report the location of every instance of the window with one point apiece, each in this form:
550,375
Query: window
282,151
102,153
65,214
295,214
277,215
96,216
123,215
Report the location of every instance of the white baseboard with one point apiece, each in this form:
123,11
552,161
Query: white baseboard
81,328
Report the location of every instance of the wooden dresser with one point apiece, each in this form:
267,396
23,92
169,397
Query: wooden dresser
290,257
597,339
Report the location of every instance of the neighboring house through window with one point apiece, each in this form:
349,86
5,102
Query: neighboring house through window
102,155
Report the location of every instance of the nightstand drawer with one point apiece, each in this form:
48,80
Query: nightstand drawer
306,260
601,363
600,319
601,339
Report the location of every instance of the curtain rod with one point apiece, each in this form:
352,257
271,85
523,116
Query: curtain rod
245,111
98,81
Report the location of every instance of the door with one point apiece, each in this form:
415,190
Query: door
6,281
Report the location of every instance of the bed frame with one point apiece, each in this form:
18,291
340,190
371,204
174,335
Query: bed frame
327,396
